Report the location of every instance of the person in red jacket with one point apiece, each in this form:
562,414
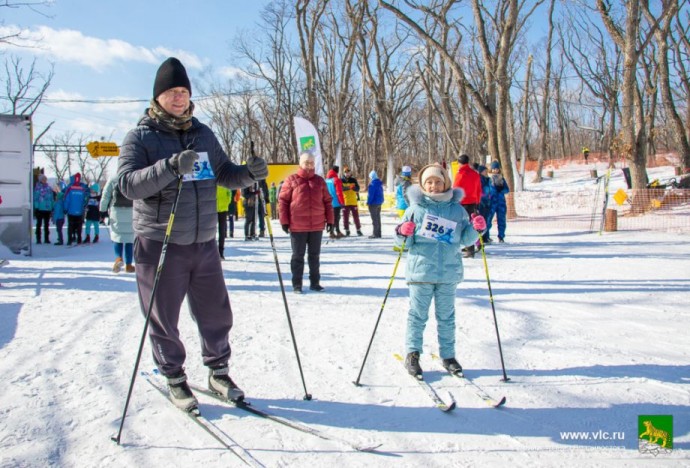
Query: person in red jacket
304,207
469,180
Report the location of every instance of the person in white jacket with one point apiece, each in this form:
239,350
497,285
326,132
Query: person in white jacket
120,211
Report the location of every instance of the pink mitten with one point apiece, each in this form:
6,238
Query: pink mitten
478,222
407,228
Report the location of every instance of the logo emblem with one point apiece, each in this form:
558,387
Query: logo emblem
307,143
655,434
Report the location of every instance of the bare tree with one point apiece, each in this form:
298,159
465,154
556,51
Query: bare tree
68,150
546,99
35,6
337,38
524,149
58,162
496,33
273,62
390,78
681,55
308,19
25,89
453,116
662,38
221,110
80,157
628,33
598,64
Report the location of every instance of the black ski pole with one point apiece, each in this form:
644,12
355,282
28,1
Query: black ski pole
307,395
156,279
493,308
383,305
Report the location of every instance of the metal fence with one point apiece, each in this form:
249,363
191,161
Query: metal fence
586,209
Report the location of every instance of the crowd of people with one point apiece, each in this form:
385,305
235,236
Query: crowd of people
175,199
77,202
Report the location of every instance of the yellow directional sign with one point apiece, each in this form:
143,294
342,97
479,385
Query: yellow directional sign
102,148
620,196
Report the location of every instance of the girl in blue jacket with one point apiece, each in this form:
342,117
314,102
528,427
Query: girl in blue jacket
402,184
436,227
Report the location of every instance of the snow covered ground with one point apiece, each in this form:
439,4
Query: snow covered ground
594,331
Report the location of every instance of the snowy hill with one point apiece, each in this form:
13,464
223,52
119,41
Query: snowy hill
593,328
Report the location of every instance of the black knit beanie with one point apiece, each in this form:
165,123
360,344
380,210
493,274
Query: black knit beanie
171,74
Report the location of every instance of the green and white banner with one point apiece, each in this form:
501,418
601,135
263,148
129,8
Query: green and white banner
308,142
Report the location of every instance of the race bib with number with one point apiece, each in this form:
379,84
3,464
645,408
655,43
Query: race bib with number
202,169
437,228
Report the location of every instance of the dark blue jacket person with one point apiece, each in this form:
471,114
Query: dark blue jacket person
498,191
169,143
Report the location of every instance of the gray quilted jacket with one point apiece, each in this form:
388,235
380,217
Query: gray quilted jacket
145,176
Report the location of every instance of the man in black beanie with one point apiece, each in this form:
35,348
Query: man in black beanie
171,74
169,145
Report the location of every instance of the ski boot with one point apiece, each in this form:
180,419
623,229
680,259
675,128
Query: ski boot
412,365
220,382
452,366
180,393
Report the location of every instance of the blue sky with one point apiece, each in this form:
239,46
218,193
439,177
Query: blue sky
111,49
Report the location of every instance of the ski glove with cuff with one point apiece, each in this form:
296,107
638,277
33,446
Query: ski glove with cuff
286,228
478,222
329,228
257,167
406,229
183,163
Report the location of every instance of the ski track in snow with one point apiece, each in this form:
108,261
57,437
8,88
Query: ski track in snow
593,329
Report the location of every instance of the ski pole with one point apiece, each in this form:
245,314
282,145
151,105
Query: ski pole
307,395
493,309
156,279
383,305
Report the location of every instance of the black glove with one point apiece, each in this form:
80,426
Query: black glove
286,228
183,163
257,167
329,228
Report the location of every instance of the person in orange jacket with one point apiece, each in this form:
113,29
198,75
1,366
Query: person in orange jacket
469,180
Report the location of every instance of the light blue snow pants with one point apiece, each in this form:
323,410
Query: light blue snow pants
421,295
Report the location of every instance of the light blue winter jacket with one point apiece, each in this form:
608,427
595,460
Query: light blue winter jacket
121,225
402,185
44,197
430,260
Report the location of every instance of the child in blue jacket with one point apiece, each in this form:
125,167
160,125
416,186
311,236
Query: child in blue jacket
76,198
402,184
93,214
59,214
436,228
498,191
